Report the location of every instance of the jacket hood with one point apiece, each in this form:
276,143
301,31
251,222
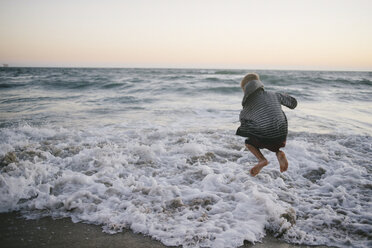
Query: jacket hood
250,88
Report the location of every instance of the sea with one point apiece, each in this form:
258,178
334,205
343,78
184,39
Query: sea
155,151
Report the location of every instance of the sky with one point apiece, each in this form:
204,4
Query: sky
262,34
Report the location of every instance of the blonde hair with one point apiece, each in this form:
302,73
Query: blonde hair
249,77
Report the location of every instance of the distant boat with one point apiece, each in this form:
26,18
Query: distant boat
5,65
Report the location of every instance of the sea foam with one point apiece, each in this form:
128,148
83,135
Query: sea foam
174,188
183,189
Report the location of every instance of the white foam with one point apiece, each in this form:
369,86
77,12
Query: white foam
189,188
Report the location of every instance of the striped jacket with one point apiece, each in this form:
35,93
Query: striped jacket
262,114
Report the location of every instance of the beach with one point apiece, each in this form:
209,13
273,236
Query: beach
18,232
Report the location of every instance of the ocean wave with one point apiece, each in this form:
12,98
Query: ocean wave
213,79
112,85
190,188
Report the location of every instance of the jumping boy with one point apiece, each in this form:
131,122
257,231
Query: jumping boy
263,122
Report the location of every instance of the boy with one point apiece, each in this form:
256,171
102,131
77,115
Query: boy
263,122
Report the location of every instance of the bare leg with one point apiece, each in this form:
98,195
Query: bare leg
262,161
283,162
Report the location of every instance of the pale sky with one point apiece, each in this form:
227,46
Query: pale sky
262,34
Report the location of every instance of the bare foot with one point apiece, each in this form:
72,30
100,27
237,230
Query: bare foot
257,168
283,162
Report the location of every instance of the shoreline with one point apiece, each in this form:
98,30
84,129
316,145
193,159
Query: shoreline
16,231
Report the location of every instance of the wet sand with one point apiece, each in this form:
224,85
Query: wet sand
16,231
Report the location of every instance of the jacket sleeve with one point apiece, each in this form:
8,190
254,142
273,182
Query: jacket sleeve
287,100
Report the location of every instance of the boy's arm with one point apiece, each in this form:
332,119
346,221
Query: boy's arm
287,100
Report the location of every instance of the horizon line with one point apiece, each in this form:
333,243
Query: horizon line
188,68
